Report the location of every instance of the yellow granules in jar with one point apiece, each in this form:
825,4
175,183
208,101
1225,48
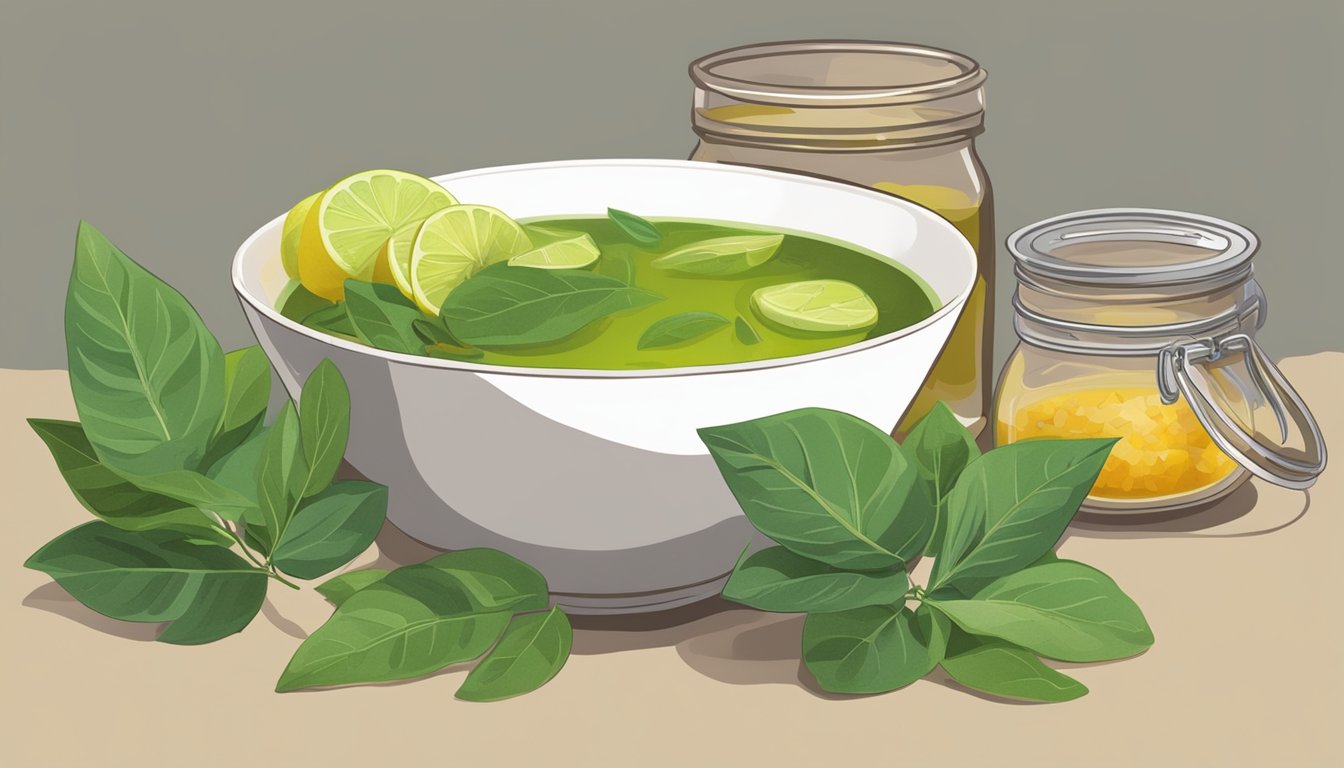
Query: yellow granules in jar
1164,450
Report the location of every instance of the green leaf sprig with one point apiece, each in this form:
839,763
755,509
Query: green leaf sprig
421,618
850,508
198,502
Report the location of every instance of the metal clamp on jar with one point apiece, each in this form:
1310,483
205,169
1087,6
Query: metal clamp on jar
1140,324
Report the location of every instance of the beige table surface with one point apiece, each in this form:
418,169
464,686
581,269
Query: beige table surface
1245,601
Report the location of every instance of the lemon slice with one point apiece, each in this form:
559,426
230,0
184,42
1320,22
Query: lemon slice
560,249
290,231
394,261
347,226
457,242
816,305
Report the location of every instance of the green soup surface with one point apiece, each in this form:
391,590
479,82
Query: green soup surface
613,342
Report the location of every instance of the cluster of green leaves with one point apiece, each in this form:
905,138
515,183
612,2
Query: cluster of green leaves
504,306
198,502
421,618
850,509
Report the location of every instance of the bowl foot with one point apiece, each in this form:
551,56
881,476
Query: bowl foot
646,602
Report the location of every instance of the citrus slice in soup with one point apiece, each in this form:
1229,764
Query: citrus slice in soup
394,262
816,305
559,249
457,242
721,255
344,231
290,232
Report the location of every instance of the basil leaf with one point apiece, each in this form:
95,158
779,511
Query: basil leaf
247,392
281,476
721,255
331,528
332,320
1003,669
147,377
431,332
154,576
874,649
237,469
113,498
532,651
635,228
298,303
675,329
492,580
1026,493
775,579
1064,610
618,265
829,486
507,306
195,489
415,621
338,589
382,317
324,425
941,448
745,333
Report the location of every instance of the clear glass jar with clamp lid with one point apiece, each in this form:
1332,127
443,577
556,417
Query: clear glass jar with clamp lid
1140,324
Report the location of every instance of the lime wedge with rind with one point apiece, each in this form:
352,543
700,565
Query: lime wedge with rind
457,242
573,252
721,255
826,306
347,226
290,232
396,256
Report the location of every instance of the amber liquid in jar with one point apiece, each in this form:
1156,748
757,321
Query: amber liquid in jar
897,118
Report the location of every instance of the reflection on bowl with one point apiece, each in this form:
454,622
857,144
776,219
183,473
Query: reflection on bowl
597,478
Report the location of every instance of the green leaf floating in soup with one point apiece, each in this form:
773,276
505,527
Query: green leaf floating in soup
507,306
721,255
817,305
581,295
681,328
635,228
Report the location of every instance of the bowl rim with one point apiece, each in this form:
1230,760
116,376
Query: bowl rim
955,305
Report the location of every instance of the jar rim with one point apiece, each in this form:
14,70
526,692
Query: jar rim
1226,247
708,72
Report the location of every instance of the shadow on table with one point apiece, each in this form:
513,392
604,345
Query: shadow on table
1227,518
50,597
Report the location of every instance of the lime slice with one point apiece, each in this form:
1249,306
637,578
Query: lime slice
394,262
347,226
721,255
457,242
559,250
816,305
290,231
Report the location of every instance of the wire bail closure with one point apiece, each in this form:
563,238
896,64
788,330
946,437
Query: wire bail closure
1274,462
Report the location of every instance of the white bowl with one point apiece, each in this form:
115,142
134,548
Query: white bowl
597,478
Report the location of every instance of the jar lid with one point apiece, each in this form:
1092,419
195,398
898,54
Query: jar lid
1240,397
837,73
1134,247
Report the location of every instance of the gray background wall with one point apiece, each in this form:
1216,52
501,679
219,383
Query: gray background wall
178,128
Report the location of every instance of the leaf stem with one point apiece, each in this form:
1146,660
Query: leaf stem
267,568
274,574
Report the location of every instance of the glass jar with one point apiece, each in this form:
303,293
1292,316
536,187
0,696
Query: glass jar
898,118
1140,324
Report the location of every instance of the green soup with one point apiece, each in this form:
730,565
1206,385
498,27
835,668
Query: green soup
744,335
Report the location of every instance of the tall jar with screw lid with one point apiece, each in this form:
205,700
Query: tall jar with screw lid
895,117
1140,325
